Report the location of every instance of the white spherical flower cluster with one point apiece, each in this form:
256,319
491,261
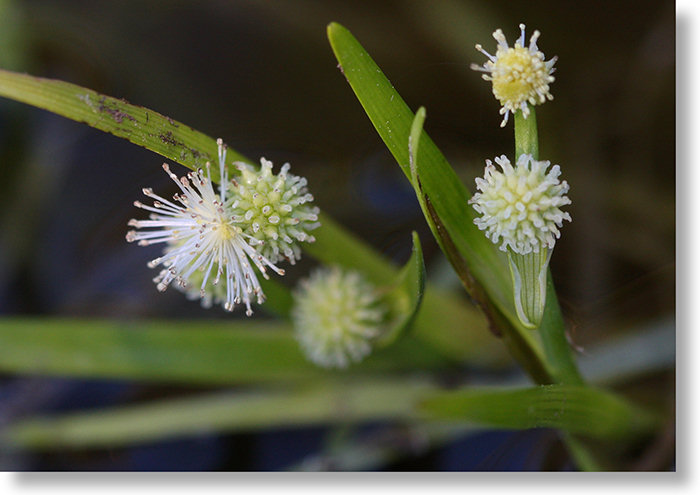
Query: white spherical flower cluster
520,205
205,241
274,209
519,75
336,316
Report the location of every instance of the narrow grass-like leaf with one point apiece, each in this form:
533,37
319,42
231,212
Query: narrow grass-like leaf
405,297
206,352
576,409
141,126
325,403
442,188
580,410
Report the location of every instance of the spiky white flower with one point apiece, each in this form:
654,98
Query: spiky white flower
520,205
519,75
274,209
199,233
336,316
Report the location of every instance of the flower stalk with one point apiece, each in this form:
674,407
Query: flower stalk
530,298
551,328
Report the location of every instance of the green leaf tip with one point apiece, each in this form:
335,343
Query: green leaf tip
405,297
332,27
413,142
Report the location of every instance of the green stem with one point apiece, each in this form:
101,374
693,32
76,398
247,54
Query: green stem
552,330
526,134
556,346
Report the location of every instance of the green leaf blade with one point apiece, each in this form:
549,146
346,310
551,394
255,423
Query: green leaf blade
139,125
576,409
329,402
190,352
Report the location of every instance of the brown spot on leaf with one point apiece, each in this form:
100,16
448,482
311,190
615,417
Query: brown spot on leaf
116,114
168,138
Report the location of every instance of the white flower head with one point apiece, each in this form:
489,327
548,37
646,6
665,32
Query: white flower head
519,75
520,205
336,315
203,242
274,209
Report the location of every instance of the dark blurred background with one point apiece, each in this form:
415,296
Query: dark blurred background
262,76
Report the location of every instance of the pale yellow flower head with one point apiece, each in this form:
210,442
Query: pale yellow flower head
519,74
